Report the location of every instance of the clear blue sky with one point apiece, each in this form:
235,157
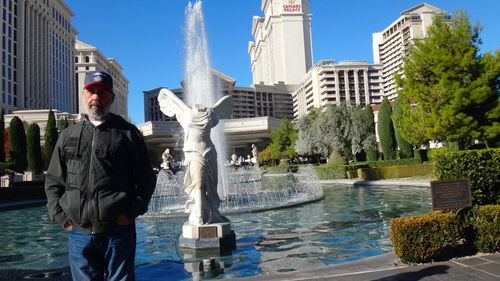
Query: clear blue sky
147,38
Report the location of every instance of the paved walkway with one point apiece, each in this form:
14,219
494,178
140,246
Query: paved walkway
386,267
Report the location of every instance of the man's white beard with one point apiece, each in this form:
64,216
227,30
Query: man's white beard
98,112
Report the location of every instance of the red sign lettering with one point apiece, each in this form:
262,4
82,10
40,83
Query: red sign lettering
291,8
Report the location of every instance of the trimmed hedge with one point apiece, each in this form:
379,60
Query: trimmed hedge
481,167
328,172
425,238
385,163
394,172
486,224
444,235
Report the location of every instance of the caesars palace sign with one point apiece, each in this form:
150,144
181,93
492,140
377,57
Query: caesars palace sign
291,6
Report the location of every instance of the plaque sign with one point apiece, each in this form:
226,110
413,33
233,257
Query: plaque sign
451,194
207,232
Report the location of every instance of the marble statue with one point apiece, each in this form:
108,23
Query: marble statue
200,181
167,160
255,152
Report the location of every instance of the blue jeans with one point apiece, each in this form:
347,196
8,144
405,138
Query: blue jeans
103,256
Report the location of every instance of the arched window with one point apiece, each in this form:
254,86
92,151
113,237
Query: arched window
87,59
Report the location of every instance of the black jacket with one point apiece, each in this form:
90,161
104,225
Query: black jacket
98,173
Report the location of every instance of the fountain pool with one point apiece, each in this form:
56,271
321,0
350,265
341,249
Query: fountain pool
350,223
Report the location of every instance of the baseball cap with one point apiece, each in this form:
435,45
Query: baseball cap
100,78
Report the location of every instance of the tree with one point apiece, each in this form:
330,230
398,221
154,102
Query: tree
50,137
451,85
307,143
63,124
283,141
405,148
334,128
17,145
34,155
370,143
362,131
386,130
2,139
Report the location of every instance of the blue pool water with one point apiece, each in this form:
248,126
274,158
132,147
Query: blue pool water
349,224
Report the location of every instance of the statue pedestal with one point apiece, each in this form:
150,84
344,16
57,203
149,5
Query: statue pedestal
214,237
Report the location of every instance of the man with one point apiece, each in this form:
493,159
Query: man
98,181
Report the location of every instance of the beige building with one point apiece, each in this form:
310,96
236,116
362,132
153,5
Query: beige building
281,51
256,111
40,117
89,58
258,101
349,82
37,55
391,44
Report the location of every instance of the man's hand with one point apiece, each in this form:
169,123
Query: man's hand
68,226
122,219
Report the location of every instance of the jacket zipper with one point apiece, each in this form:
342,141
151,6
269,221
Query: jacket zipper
91,180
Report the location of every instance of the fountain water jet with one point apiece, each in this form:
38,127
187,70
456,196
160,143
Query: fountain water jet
240,190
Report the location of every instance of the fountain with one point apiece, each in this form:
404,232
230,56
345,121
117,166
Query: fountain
200,193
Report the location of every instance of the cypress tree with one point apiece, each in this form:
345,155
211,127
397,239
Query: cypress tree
50,137
2,139
386,130
370,145
63,124
405,148
17,145
34,151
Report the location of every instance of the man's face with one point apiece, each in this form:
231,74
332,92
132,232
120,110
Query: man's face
98,100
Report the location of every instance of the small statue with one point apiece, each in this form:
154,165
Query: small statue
255,152
167,160
234,159
200,181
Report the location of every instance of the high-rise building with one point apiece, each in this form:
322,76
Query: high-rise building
391,44
348,82
259,101
37,51
282,49
89,58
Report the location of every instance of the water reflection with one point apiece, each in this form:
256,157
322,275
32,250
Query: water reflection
349,224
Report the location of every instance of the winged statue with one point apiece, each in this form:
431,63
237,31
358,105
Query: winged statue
200,180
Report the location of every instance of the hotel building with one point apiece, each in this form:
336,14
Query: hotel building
391,44
348,82
89,58
256,111
282,50
37,55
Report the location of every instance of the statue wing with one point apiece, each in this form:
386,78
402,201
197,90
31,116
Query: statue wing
223,107
171,105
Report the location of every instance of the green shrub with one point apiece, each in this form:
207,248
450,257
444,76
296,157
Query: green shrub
279,169
424,238
486,223
371,154
481,167
395,172
328,172
336,159
435,152
385,163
